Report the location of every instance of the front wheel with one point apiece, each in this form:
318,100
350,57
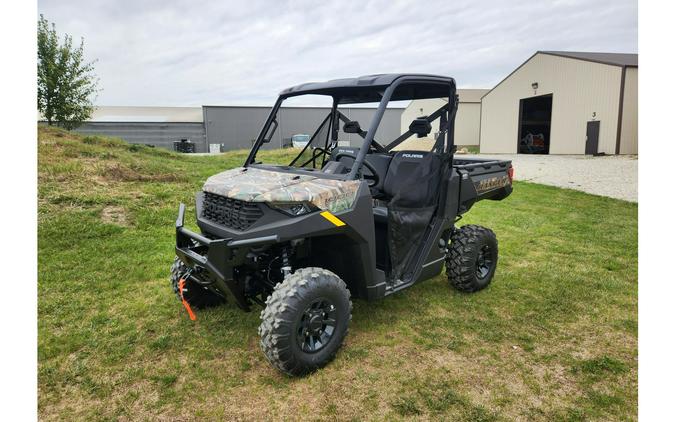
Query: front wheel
471,260
305,321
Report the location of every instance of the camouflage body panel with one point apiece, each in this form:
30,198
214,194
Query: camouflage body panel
257,185
492,183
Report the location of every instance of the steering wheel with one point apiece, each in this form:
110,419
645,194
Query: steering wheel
316,153
373,179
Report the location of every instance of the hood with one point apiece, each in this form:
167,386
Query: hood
257,185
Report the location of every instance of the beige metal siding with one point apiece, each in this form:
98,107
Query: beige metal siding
580,89
629,120
467,124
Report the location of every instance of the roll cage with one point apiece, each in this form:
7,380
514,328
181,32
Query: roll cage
381,88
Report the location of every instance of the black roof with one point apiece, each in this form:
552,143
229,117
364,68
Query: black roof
370,88
616,59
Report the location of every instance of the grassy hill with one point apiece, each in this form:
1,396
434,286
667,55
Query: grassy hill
554,337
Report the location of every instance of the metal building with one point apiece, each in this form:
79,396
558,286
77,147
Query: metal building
156,126
237,127
467,120
233,127
560,102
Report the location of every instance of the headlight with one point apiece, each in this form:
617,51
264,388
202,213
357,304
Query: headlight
294,209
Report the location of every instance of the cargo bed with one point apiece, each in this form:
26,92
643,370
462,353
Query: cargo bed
483,179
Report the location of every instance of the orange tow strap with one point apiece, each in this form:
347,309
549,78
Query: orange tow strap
181,287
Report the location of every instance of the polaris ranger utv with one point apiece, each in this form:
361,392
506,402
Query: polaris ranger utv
337,222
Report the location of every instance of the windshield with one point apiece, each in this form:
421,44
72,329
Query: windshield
303,136
303,131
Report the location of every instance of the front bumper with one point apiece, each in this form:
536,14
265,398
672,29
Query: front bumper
218,257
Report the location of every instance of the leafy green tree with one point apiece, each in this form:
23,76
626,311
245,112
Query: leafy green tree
67,84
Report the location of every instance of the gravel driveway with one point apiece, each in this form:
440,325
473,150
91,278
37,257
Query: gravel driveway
615,176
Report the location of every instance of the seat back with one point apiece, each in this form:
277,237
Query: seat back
413,178
380,162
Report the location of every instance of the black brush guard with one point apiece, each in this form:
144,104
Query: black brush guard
218,257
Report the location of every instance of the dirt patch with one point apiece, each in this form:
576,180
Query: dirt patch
115,215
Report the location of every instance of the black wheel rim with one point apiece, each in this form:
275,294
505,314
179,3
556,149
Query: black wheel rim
317,325
484,262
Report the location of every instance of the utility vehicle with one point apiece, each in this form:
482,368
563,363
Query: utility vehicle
364,220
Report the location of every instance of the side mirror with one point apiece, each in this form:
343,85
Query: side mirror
352,126
420,126
271,131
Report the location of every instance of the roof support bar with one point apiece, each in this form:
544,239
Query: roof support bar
381,108
435,115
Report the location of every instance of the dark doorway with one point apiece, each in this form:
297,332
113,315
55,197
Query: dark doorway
534,126
592,137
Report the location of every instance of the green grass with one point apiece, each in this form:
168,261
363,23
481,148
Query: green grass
471,149
553,338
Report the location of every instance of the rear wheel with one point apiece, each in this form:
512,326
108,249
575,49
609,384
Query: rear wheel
305,321
471,260
196,295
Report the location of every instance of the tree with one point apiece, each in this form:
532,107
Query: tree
67,84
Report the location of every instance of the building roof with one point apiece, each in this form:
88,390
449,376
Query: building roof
147,114
471,95
616,59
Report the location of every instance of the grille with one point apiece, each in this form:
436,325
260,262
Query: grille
228,212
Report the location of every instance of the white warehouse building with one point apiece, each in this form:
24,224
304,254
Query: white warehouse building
556,102
564,103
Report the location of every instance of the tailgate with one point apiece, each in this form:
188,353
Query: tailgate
491,179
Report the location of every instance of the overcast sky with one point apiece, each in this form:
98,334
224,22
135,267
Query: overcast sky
190,53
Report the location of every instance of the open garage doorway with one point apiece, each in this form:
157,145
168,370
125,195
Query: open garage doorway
534,125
